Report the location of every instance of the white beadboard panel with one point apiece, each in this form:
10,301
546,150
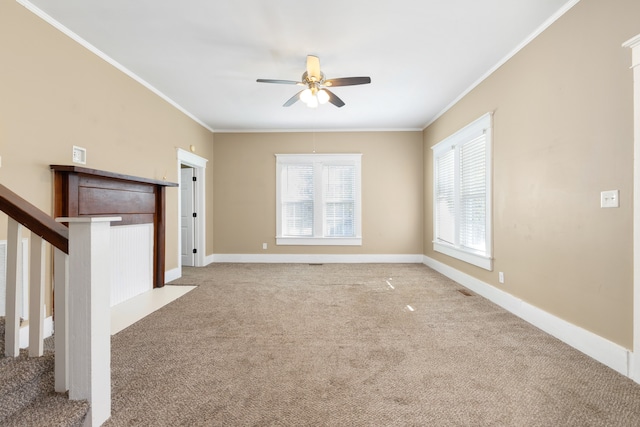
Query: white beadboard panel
24,303
131,261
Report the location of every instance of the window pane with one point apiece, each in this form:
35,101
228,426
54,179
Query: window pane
297,200
297,218
473,194
339,219
445,198
339,187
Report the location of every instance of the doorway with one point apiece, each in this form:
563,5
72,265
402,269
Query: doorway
188,215
191,218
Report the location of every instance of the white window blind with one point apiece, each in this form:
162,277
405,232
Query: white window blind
445,198
297,199
339,183
462,194
473,194
318,199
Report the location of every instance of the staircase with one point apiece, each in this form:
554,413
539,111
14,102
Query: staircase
27,396
64,380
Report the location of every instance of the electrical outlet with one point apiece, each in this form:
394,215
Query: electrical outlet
264,246
501,277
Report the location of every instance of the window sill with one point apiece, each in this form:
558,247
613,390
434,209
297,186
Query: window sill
319,241
481,261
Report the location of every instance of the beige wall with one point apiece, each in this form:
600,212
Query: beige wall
563,132
244,171
54,94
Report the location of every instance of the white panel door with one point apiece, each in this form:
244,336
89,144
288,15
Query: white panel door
187,220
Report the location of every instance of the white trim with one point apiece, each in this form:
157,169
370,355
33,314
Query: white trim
634,357
316,258
546,24
47,18
469,131
482,126
199,164
187,157
318,161
463,255
47,332
601,349
173,274
316,130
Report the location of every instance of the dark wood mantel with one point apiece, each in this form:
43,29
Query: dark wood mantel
80,191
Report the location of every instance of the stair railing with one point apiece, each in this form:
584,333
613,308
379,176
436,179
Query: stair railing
81,298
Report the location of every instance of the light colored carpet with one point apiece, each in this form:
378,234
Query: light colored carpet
351,345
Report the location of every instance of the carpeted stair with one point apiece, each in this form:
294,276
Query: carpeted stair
27,396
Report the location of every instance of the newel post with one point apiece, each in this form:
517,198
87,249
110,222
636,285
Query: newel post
89,311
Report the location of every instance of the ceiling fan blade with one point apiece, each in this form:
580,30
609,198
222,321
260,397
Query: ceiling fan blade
313,68
282,82
348,81
334,99
293,99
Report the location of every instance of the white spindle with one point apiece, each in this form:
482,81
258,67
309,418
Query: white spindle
61,324
13,289
90,315
36,296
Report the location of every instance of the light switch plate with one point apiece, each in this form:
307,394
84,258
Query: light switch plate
610,199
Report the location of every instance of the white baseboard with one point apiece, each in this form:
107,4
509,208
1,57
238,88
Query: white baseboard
172,274
606,352
208,259
314,258
47,332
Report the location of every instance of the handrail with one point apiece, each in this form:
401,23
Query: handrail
34,219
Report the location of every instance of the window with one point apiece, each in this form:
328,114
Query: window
462,194
318,199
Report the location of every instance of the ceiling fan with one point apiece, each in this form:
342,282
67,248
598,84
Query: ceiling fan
316,91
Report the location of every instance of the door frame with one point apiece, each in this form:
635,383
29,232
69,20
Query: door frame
199,164
634,354
191,226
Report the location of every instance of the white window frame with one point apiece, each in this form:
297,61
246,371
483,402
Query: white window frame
318,161
455,142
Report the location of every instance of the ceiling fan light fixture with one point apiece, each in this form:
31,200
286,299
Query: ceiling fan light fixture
306,95
313,102
315,93
323,96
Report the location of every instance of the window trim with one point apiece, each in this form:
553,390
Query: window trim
480,259
319,240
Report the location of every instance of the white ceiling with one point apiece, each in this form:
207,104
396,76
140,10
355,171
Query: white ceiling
205,55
